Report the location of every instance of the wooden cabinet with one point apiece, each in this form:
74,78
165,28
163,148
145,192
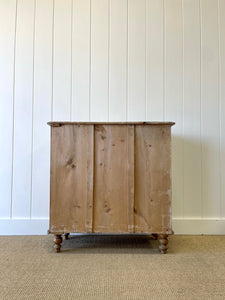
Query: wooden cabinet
111,178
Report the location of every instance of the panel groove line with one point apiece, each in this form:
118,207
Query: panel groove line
13,113
154,60
99,59
173,94
71,63
23,110
118,60
222,100
81,35
42,108
8,20
191,110
62,60
32,113
210,110
136,60
220,65
201,100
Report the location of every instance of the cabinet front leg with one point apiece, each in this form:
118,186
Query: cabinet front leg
163,241
57,242
155,236
66,236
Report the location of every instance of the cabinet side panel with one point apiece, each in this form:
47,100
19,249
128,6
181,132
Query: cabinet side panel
152,203
114,175
71,178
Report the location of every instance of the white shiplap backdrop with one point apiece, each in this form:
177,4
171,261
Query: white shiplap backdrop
113,60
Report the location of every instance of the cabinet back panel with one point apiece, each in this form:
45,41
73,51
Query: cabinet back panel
113,178
152,179
71,179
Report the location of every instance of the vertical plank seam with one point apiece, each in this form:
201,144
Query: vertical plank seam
90,180
90,18
130,193
13,112
201,116
109,28
134,134
164,61
182,16
220,107
71,65
135,126
32,112
50,175
127,62
53,25
93,181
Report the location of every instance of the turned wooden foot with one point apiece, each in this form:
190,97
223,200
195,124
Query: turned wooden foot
57,241
155,236
65,236
163,241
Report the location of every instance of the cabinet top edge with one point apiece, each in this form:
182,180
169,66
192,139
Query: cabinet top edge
60,123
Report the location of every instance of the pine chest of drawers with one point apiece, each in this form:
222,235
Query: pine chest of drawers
110,178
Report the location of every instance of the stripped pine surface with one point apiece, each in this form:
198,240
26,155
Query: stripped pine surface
71,179
152,179
113,173
110,178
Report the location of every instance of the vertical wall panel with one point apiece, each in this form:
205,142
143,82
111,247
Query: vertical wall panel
23,109
136,60
210,110
80,60
192,112
7,39
155,59
113,60
62,60
118,60
222,100
99,60
42,107
174,95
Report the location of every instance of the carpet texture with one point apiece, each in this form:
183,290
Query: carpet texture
112,267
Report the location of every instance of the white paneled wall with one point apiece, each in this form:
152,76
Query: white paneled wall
113,60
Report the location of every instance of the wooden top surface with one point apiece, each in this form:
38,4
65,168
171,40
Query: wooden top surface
59,123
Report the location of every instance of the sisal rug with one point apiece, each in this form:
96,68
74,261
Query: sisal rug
112,267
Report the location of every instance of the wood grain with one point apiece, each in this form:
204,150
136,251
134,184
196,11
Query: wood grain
113,173
111,178
71,179
152,204
60,123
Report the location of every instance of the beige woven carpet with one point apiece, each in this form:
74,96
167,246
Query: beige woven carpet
112,267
